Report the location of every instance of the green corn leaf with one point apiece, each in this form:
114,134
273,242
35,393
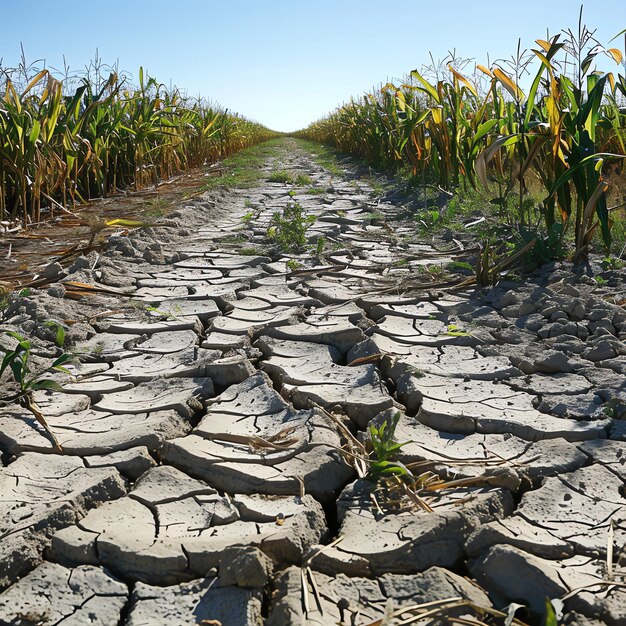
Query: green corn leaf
19,371
426,87
13,334
60,333
483,129
64,358
389,468
550,615
34,132
621,32
46,384
569,173
8,357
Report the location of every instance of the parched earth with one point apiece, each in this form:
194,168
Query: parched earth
210,431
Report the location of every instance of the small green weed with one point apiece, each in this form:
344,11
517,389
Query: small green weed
27,382
384,447
280,176
252,251
323,155
163,314
373,215
612,263
98,348
432,272
288,228
303,179
233,239
455,331
320,245
460,265
59,337
378,190
548,246
429,221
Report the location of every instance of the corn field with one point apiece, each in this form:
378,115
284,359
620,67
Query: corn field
63,142
546,116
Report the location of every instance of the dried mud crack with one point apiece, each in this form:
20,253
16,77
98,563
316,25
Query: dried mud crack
206,471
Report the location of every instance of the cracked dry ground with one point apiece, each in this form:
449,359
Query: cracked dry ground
202,477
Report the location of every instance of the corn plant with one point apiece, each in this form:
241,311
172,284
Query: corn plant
484,131
558,138
27,382
66,141
384,448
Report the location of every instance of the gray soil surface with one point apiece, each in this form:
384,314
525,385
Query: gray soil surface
205,476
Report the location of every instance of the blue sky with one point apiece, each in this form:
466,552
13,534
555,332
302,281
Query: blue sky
285,63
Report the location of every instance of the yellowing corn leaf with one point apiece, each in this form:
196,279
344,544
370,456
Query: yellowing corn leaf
611,82
33,82
485,157
87,288
615,54
400,100
508,84
544,44
586,225
484,70
464,80
126,223
11,94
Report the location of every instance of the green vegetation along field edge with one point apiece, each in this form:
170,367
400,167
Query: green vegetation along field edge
67,140
548,154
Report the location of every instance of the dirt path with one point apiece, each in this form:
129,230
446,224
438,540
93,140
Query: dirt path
213,432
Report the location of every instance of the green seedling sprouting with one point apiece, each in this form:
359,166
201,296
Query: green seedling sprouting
384,448
27,382
320,245
59,338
